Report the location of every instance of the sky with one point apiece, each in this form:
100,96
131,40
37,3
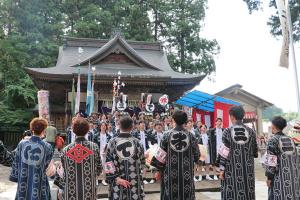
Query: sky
249,54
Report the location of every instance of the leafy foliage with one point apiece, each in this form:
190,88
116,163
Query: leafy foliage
18,92
271,112
30,37
17,117
289,116
274,22
188,52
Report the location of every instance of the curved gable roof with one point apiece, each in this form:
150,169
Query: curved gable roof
117,44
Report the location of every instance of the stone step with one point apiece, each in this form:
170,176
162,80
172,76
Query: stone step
202,186
102,191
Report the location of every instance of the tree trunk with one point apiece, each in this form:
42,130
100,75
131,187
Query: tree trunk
9,24
156,26
182,40
182,48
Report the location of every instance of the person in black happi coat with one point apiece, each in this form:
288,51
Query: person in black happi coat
237,154
6,156
125,162
175,159
80,165
282,164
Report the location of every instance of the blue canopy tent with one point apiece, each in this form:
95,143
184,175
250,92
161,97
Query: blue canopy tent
207,106
202,101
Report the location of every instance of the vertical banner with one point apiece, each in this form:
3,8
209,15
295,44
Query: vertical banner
89,91
203,116
43,101
283,17
222,111
73,98
77,102
92,99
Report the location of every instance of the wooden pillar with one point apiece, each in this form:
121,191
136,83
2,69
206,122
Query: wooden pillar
259,120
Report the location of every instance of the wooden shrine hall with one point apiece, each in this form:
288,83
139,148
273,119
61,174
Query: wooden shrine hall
144,67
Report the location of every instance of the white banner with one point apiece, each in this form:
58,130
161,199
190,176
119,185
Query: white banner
283,17
220,113
43,101
77,100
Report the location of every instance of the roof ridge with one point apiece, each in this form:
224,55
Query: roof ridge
70,38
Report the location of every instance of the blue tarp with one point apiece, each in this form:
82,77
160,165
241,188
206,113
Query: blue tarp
202,101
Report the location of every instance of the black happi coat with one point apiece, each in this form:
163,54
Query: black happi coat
283,168
125,159
178,153
212,144
6,156
237,160
81,163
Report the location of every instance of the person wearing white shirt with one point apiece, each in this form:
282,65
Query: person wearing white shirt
101,139
155,138
110,130
142,135
158,129
204,140
215,143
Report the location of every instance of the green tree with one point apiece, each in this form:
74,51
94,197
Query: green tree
137,23
30,34
271,112
131,17
274,22
158,10
86,19
187,51
18,94
6,17
289,116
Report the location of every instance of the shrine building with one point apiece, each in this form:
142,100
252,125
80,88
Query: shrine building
144,68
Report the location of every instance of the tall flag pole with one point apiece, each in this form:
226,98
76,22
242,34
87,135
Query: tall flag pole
287,32
73,98
294,58
77,103
89,91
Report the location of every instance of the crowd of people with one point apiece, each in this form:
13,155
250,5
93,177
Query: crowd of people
104,127
178,152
